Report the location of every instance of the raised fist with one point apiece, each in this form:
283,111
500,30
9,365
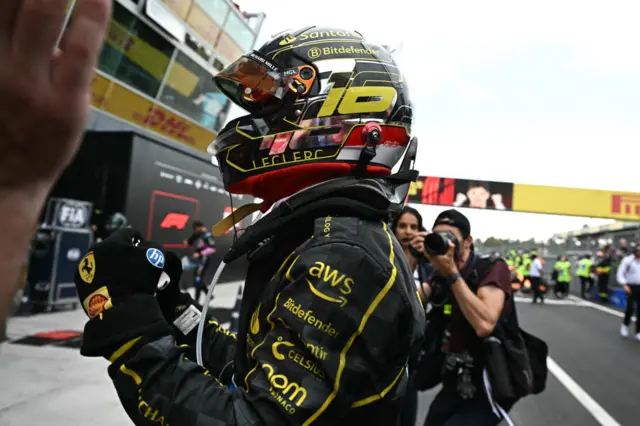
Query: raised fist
119,266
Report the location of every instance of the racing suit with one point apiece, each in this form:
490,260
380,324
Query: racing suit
329,319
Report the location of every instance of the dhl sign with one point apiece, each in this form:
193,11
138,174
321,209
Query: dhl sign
110,96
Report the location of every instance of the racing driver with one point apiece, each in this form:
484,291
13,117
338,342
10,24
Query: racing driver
330,315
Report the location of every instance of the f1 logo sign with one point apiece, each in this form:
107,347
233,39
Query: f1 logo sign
169,216
175,220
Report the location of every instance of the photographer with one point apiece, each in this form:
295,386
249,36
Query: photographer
405,227
477,300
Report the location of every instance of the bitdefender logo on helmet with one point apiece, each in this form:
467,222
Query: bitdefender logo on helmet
316,52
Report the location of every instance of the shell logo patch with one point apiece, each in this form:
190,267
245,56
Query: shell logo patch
97,302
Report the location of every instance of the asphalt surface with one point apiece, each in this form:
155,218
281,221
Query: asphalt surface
585,343
41,385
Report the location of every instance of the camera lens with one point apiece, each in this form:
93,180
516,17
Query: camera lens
436,244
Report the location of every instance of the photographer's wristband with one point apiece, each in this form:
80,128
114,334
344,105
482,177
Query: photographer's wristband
450,279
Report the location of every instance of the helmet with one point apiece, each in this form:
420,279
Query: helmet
323,103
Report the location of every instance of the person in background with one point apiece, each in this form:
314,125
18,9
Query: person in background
203,245
535,276
517,261
476,309
623,248
628,275
97,225
508,258
563,278
516,282
115,222
603,270
525,267
584,273
405,227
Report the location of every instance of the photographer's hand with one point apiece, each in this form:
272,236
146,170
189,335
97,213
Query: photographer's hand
417,243
445,264
44,93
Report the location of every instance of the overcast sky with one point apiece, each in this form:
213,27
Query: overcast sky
540,92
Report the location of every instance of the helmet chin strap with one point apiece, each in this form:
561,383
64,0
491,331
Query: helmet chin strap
236,216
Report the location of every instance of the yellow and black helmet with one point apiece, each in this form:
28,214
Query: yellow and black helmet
322,103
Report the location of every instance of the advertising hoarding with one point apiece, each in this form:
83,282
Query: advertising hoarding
462,193
594,203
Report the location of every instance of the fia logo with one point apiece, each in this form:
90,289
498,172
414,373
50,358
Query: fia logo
155,257
72,216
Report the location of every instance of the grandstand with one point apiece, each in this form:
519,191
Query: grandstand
155,72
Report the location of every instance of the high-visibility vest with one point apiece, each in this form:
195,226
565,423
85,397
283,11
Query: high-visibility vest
584,268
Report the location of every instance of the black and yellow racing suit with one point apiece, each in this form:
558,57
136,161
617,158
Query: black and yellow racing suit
328,322
603,271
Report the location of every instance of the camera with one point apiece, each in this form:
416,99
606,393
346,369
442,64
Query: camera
437,243
462,365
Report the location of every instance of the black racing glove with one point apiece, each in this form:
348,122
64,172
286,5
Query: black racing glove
116,282
179,309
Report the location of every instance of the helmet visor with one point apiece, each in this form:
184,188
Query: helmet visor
255,83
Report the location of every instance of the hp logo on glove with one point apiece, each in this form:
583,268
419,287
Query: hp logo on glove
155,257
